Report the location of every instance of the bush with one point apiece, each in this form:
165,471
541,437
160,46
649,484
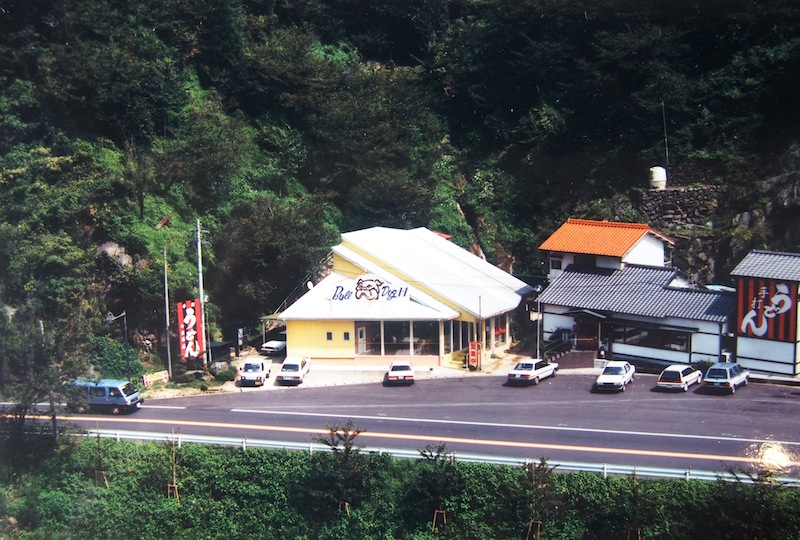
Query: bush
185,378
226,375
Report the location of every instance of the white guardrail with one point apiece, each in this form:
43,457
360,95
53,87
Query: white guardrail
561,466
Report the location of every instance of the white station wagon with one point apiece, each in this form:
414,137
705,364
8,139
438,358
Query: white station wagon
679,377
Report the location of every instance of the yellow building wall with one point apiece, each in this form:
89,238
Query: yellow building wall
309,338
346,268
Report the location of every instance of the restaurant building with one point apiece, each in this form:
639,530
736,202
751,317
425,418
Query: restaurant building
614,291
408,293
766,312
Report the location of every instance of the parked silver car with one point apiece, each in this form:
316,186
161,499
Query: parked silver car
726,376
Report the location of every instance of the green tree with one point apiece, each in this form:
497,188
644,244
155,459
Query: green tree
270,247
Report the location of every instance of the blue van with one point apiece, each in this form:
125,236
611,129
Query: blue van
109,395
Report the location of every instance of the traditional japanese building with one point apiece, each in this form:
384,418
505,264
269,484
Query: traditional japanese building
613,290
410,293
605,244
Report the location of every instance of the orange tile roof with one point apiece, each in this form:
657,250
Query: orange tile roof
589,237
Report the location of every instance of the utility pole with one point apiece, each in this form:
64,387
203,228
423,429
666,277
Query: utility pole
666,146
199,235
166,314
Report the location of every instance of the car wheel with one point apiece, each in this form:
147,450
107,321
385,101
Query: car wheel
623,388
733,389
536,380
746,381
115,410
685,387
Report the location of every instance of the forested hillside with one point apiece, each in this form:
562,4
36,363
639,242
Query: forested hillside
281,123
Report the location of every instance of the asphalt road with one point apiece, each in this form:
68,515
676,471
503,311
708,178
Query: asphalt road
560,419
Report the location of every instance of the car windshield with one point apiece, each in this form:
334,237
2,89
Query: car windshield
290,367
524,367
612,370
250,367
129,389
716,374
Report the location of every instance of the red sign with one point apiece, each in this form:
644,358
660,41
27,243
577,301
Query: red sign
767,309
190,329
474,354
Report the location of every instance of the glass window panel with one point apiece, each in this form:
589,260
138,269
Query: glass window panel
397,336
426,337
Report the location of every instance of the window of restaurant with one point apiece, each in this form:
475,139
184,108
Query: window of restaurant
654,338
426,337
448,336
397,337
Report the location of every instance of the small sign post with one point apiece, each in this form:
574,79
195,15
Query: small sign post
473,360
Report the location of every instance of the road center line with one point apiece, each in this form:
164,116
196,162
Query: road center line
521,426
459,440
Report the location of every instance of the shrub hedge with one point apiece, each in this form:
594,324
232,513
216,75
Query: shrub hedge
102,488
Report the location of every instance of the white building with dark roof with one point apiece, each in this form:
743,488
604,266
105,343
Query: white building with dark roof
618,294
638,313
766,317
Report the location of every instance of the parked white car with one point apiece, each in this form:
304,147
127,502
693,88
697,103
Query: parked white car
615,376
679,377
531,371
294,370
274,348
400,372
254,373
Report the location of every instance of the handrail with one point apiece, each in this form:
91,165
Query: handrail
606,469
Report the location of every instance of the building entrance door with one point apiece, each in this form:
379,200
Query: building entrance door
361,340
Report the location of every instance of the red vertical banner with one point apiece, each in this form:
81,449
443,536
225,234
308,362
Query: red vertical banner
190,330
766,309
473,358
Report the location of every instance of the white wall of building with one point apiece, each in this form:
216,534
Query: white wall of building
648,251
765,355
609,262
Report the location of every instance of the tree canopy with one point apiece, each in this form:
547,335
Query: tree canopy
280,123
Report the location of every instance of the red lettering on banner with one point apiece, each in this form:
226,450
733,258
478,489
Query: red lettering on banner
766,309
190,329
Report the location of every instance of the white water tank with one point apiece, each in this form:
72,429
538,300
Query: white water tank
658,178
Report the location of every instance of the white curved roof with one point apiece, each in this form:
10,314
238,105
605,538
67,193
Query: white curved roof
443,279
